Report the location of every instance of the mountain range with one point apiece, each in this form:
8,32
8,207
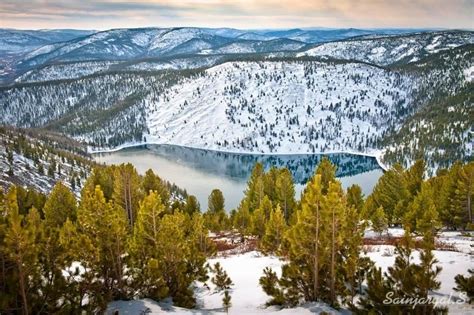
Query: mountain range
400,94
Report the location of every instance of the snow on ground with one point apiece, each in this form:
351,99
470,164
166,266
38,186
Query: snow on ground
251,107
248,297
387,50
469,74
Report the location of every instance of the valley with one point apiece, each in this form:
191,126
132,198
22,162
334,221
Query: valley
193,170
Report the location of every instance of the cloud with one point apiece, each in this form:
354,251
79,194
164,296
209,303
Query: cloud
101,14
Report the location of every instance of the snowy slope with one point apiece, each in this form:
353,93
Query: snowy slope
134,44
29,168
279,107
389,50
248,297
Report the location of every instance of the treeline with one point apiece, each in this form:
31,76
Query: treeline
131,236
128,237
321,235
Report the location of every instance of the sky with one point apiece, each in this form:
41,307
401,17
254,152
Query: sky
244,14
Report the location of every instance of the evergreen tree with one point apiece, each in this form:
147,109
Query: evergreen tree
260,217
466,284
334,213
379,221
174,253
391,193
152,182
450,215
464,194
355,197
216,201
274,232
20,250
215,216
221,280
255,188
144,248
354,265
327,170
60,206
242,220
192,205
285,192
126,191
103,225
226,301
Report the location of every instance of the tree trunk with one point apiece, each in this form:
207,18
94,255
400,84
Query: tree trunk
21,276
316,258
333,257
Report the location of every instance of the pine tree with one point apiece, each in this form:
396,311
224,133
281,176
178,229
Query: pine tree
355,197
126,191
466,284
226,301
216,202
464,194
260,217
354,265
375,297
379,221
20,248
201,246
144,248
192,205
327,170
221,280
274,232
427,271
104,225
242,220
215,216
334,212
285,192
391,193
255,188
450,212
60,206
174,255
414,177
152,182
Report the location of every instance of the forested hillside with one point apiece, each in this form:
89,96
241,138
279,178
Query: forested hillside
36,160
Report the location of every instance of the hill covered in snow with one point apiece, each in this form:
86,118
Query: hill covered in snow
387,50
371,94
24,52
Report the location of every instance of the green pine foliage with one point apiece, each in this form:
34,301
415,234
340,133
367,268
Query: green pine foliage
275,230
322,264
216,218
71,256
465,284
221,280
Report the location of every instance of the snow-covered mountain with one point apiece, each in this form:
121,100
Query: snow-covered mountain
131,44
388,50
12,40
252,95
40,49
283,107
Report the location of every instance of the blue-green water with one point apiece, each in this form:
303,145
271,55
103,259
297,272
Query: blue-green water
200,171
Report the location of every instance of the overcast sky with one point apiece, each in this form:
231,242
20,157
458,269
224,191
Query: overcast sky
105,14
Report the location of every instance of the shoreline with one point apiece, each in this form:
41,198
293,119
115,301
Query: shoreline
377,153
